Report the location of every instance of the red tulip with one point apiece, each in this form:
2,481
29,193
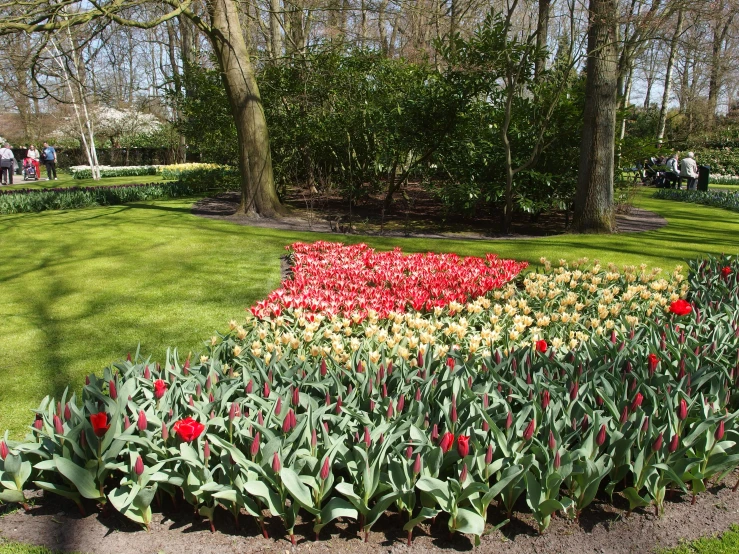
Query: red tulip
682,410
4,451
367,439
574,389
324,369
138,467
637,401
601,438
165,431
266,389
446,442
557,461
254,450
552,441
401,403
112,392
674,443
99,423
206,450
719,434
545,400
188,429
681,307
313,438
624,415
276,466
434,432
463,445
296,396
489,455
652,361
453,415
417,465
160,387
58,426
325,469
420,359
463,474
67,413
657,444
541,346
725,271
508,421
528,433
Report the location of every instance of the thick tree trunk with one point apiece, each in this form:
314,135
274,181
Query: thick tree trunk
594,198
542,35
258,193
668,79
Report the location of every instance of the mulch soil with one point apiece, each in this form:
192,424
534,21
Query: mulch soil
603,528
421,216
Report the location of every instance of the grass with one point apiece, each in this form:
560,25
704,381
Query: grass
79,289
728,543
20,548
66,180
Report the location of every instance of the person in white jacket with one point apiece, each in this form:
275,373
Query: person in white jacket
689,171
7,164
673,171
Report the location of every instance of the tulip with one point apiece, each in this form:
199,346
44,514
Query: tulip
719,434
489,454
138,467
528,433
324,369
255,445
390,410
485,401
401,403
384,391
4,451
434,432
463,474
233,412
188,429
463,445
652,361
99,424
541,346
325,469
58,427
585,423
637,401
657,444
266,389
126,422
417,465
147,373
420,359
508,421
367,438
276,466
682,410
645,424
574,389
601,438
211,398
418,395
67,413
624,415
545,400
278,406
446,442
552,441
260,418
674,443
409,452
557,461
165,431
338,405
453,415
485,426
112,390
206,450
296,396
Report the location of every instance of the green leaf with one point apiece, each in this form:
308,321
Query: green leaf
424,514
468,522
10,495
81,478
297,489
635,500
336,507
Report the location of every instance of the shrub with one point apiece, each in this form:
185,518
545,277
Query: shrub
318,414
204,176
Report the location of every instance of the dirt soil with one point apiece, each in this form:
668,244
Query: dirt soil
423,218
603,529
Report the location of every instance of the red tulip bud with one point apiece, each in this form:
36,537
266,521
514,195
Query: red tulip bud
4,451
645,424
138,467
206,450
485,426
719,434
126,422
418,395
420,359
574,389
390,409
463,475
557,461
453,415
165,431
325,469
367,438
147,373
434,433
112,390
266,389
276,463
637,401
552,441
417,465
657,444
324,369
489,454
296,396
338,405
409,452
67,413
545,400
233,412
585,423
601,438
255,443
384,390
682,410
278,406
508,421
674,443
624,415
447,440
313,438
528,433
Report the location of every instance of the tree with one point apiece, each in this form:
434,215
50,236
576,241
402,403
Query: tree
221,23
594,198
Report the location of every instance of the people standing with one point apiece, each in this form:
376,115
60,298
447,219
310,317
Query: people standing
7,165
33,155
689,171
49,158
673,171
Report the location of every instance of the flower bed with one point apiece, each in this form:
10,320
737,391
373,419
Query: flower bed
728,200
419,413
84,172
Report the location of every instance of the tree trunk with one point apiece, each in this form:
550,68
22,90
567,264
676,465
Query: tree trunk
594,198
542,35
714,84
668,79
274,29
258,193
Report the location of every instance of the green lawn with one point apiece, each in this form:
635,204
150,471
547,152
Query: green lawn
79,289
728,543
66,180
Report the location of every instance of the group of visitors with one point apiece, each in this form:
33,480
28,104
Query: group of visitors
31,163
674,171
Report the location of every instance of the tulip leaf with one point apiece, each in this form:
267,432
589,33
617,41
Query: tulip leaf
10,495
297,489
61,490
263,492
468,522
424,514
635,500
13,464
335,508
382,504
81,478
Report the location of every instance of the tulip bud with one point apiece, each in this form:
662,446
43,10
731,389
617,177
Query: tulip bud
420,359
418,395
719,434
463,475
324,369
545,400
645,424
83,440
276,466
165,431
58,427
255,443
485,426
674,443
138,467
296,396
233,412
141,422
67,412
601,438
446,442
637,401
266,390
147,372
211,398
112,390
682,410
434,433
325,469
657,444
508,421
574,390
384,390
4,451
206,450
624,415
557,461
390,410
278,406
489,454
453,415
126,422
313,438
409,452
208,382
528,433
338,404
585,423
599,400
417,465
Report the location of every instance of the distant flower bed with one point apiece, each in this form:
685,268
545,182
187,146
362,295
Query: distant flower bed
726,199
725,179
84,171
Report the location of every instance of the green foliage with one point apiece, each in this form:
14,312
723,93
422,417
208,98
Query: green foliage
727,199
728,543
217,177
130,171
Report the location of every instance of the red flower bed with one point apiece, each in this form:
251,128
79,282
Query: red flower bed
332,278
